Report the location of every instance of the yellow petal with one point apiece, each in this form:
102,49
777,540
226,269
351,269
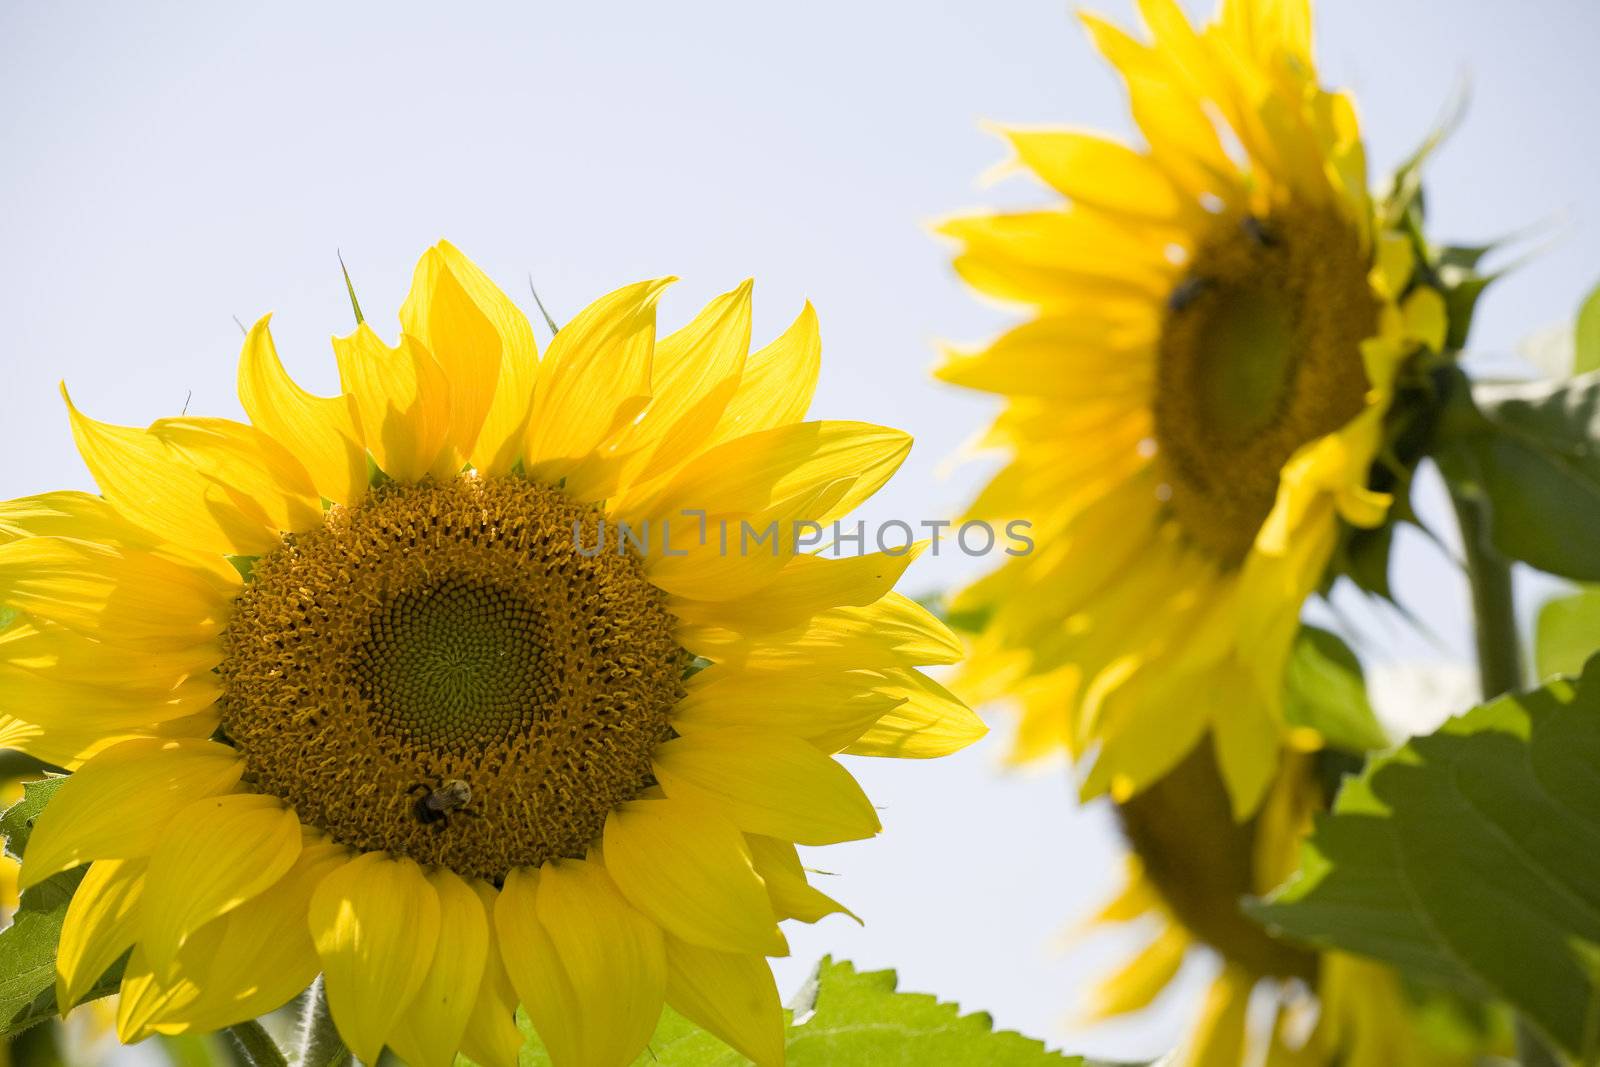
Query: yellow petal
613,956
1427,319
687,867
1219,1036
71,748
829,710
402,400
493,1038
261,477
750,474
132,597
119,804
1136,899
215,855
805,586
756,549
1248,747
1181,133
153,486
536,971
1146,730
263,955
100,925
484,345
45,649
143,997
430,1033
1077,357
777,384
67,513
594,380
930,721
793,897
695,373
1142,979
322,432
246,964
1061,256
768,784
1098,172
892,632
730,994
51,700
375,922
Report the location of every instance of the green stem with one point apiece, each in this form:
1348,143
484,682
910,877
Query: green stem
254,1046
320,1043
1500,668
1493,612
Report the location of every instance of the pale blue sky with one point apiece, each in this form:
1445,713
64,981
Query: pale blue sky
169,166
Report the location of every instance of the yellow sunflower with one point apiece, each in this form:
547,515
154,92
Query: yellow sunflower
1193,863
415,731
1193,407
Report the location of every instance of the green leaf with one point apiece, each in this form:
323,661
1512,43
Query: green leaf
851,1019
1325,690
1470,859
1586,335
1529,449
1567,633
17,821
860,1019
28,945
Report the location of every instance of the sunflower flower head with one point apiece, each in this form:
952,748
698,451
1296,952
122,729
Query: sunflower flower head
360,687
1194,406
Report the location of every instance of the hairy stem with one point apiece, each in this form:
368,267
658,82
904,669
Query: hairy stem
320,1043
254,1047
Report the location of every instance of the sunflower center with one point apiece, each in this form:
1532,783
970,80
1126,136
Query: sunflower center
1260,353
439,673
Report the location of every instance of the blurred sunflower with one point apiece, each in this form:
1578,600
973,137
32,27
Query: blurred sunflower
414,732
1192,864
1195,405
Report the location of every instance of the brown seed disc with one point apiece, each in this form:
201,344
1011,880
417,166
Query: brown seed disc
452,633
1260,353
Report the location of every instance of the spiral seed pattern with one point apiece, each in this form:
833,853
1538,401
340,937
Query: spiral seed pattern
451,631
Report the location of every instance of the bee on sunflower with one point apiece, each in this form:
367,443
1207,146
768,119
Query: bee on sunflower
1226,336
347,690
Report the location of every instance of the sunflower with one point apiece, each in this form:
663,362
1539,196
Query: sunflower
351,689
1191,866
1193,408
